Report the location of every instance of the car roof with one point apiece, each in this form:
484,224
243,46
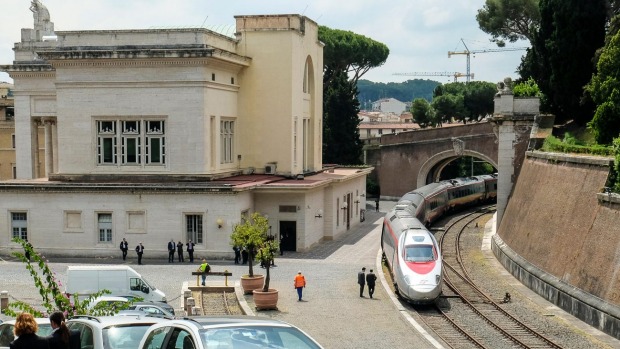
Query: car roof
237,320
105,321
39,320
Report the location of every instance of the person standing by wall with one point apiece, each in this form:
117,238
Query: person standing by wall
361,280
26,332
190,251
171,249
140,251
180,251
377,205
370,281
124,247
237,254
300,284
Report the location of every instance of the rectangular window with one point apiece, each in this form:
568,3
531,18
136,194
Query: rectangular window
13,141
104,225
227,137
141,141
106,142
19,225
193,224
287,209
337,213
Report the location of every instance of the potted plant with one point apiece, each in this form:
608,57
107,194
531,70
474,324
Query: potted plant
251,234
266,298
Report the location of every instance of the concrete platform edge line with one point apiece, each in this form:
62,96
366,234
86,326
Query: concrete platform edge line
401,310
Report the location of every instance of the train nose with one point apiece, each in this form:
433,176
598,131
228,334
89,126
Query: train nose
424,292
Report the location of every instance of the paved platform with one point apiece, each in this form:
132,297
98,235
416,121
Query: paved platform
332,311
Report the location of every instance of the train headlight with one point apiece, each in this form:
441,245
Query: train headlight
437,279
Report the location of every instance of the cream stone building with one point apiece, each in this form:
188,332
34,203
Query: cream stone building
152,135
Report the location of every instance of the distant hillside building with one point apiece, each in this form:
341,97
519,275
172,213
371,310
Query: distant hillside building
172,133
375,124
389,105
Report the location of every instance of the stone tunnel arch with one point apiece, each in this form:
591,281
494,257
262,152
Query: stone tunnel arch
443,157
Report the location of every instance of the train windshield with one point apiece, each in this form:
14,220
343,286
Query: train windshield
419,253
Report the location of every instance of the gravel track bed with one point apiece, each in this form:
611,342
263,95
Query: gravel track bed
487,277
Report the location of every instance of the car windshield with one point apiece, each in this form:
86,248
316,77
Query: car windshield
250,337
7,336
124,337
419,253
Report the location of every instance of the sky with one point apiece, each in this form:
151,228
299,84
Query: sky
418,33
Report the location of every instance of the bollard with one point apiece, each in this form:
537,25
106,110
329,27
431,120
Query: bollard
4,300
189,305
196,311
186,295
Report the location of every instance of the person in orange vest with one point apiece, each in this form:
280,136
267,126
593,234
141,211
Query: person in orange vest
300,284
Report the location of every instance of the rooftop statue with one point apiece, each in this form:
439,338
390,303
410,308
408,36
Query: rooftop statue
42,24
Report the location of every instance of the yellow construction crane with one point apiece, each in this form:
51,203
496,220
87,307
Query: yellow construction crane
445,73
468,52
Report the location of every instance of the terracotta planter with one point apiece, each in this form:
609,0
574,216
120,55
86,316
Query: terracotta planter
266,300
250,284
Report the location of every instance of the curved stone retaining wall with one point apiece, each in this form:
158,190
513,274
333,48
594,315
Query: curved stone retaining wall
561,237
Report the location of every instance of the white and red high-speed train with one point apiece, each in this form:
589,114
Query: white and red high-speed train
410,250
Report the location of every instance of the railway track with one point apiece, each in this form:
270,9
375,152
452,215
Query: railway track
466,317
220,303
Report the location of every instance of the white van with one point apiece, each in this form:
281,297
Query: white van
120,280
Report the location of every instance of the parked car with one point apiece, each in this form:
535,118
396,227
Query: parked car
246,332
157,308
7,336
135,300
105,332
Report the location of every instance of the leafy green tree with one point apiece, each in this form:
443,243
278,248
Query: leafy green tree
561,56
352,53
251,234
447,107
510,20
604,88
53,299
341,139
346,58
528,88
478,100
266,253
423,113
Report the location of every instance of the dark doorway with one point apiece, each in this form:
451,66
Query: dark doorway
288,235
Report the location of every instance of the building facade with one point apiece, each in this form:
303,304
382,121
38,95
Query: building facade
177,133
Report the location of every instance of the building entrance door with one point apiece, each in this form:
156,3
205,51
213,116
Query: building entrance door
288,235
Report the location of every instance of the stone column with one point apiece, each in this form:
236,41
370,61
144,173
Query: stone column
49,146
512,120
34,130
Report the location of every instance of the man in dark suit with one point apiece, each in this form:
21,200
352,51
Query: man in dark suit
190,251
361,280
140,251
171,248
370,281
124,247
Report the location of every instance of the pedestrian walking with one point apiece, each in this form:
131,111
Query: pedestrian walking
370,281
282,242
190,251
180,250
25,331
361,280
237,254
300,284
140,251
171,249
377,205
124,248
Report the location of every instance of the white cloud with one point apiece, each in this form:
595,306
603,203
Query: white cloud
419,33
